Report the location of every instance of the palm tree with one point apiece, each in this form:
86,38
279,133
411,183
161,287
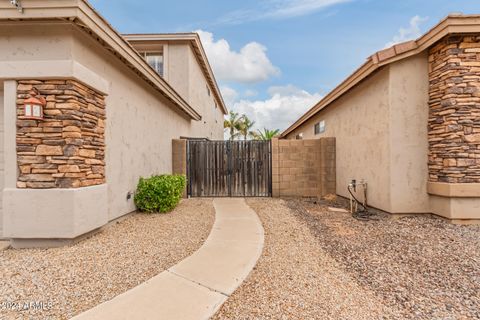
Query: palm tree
267,134
245,126
233,124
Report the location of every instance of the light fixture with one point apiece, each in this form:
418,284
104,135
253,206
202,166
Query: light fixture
33,106
17,4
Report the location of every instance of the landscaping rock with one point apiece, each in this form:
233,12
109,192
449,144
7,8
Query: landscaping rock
319,264
295,278
69,280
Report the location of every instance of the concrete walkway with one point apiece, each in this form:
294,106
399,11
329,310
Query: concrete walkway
196,287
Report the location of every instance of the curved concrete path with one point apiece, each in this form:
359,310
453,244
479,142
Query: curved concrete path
196,287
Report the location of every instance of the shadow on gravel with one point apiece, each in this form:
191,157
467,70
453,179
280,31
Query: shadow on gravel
423,265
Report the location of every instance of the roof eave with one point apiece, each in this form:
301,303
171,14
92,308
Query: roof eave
194,38
450,25
81,13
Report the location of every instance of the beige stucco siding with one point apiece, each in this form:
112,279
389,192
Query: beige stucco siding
381,135
360,123
140,122
176,65
183,71
205,102
2,167
408,134
33,42
187,77
20,47
140,125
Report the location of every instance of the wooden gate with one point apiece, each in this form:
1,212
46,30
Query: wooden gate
229,168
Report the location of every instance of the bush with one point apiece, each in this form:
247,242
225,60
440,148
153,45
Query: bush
159,193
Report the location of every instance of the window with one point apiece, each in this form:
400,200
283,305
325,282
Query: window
299,136
319,127
155,60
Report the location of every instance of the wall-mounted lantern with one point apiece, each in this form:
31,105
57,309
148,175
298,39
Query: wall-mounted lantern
17,5
34,105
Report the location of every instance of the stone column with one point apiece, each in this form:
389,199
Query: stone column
454,127
61,191
67,148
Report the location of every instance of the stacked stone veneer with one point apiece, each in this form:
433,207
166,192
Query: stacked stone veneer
454,119
67,148
303,168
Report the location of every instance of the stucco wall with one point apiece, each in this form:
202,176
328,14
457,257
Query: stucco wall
140,125
2,183
408,134
140,122
32,42
176,65
182,65
381,136
360,123
199,97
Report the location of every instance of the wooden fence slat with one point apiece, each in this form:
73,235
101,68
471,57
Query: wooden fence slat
229,168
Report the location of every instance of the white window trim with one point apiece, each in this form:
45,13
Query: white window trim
159,53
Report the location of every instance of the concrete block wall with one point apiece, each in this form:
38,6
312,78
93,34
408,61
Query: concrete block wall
179,158
303,168
327,166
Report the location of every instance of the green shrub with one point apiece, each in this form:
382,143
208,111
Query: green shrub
159,193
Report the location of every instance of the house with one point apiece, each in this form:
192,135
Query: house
113,105
408,123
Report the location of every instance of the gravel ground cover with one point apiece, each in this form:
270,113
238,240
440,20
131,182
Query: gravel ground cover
73,279
318,264
295,278
425,266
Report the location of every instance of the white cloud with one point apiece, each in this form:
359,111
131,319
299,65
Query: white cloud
410,33
251,64
279,9
294,8
250,93
285,105
229,95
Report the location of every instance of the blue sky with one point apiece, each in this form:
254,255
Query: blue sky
275,58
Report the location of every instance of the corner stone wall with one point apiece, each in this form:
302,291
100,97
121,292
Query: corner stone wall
303,168
454,107
67,148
